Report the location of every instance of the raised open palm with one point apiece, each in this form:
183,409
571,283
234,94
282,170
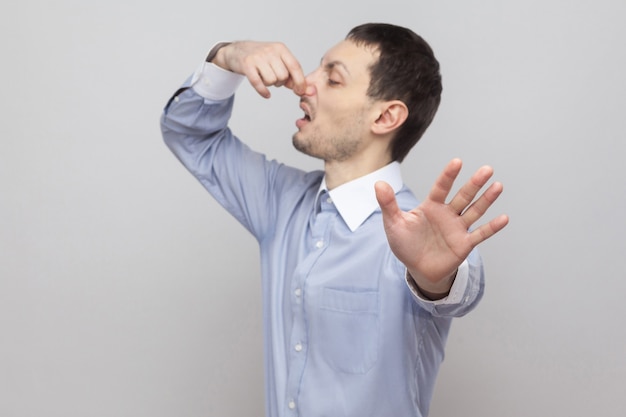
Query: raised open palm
433,239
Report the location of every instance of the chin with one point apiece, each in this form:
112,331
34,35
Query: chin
299,145
303,146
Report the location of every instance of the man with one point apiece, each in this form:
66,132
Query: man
360,281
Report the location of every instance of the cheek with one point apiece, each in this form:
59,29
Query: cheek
342,109
338,113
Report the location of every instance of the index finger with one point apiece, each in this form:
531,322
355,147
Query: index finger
296,80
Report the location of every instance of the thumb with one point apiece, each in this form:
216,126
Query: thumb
387,201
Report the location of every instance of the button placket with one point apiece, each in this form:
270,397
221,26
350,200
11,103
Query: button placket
317,241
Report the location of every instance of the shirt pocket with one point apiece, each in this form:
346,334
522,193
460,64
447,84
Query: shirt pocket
349,328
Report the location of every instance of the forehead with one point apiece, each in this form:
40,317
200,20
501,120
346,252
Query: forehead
356,59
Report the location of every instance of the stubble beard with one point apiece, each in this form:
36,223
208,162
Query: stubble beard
337,148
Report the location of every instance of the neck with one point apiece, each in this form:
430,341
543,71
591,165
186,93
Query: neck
338,173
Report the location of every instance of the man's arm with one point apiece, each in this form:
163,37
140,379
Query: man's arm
434,239
195,127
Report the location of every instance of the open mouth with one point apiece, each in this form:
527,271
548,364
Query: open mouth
306,118
300,123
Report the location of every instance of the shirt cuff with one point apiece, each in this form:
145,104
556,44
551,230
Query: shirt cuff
215,83
456,291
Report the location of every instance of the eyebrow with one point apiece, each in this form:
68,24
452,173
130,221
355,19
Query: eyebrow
330,65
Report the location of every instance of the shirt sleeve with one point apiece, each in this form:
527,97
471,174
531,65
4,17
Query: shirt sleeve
195,127
214,83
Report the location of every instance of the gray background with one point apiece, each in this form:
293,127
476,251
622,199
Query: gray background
126,291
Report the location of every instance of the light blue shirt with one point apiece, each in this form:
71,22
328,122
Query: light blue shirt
346,333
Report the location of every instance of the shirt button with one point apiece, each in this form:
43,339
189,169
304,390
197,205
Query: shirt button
291,405
298,347
329,200
298,292
319,244
177,99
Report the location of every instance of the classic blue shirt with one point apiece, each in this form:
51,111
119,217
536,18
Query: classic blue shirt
346,333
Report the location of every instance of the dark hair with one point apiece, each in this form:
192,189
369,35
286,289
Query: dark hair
406,70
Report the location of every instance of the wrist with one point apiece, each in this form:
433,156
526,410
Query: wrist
216,55
433,290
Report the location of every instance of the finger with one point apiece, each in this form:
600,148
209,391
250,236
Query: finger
308,90
480,206
274,73
485,231
268,73
387,201
257,82
470,189
280,74
295,76
443,184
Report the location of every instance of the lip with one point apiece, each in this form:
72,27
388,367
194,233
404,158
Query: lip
300,123
306,109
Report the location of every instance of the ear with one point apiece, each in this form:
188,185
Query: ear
391,115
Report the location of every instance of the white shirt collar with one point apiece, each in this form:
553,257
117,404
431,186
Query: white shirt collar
356,200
